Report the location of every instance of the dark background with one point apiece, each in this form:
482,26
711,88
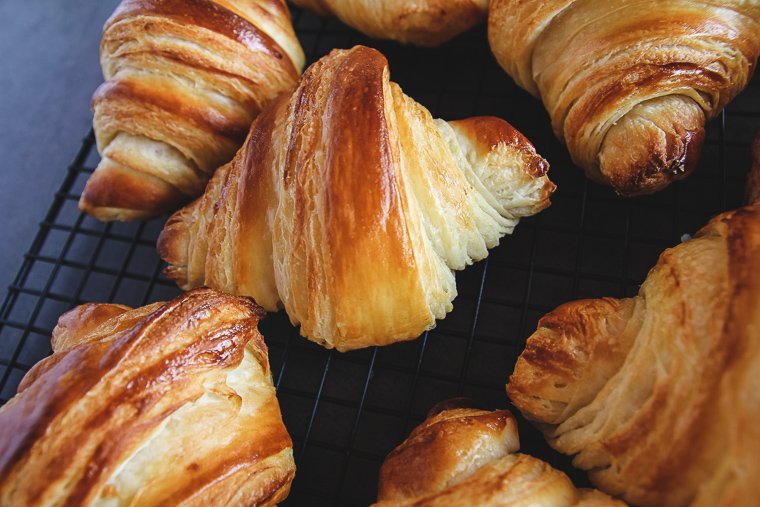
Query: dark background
48,71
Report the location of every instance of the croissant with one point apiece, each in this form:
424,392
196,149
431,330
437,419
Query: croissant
168,404
465,456
184,80
656,396
350,206
422,22
629,84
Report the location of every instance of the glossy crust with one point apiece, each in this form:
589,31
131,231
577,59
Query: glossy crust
168,404
350,206
464,456
184,81
421,22
629,84
656,396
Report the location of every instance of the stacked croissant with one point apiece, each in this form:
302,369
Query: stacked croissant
339,199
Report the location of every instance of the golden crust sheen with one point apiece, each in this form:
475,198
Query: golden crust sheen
656,396
629,84
183,81
350,206
422,22
465,456
168,404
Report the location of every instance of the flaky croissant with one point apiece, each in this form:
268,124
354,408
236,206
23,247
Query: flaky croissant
350,205
657,395
629,84
420,22
184,80
465,456
168,404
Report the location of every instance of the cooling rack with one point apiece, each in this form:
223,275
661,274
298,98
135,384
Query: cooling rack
345,412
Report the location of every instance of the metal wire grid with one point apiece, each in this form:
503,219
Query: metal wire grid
347,411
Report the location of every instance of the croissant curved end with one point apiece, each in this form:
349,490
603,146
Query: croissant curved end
554,373
116,193
656,143
508,163
172,245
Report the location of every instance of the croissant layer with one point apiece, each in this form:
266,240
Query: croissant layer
184,80
350,206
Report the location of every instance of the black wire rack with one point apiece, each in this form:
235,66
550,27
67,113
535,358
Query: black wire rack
345,412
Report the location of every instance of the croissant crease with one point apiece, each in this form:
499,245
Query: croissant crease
629,84
184,81
350,206
168,404
465,456
420,22
656,396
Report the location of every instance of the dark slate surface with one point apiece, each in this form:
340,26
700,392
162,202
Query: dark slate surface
48,71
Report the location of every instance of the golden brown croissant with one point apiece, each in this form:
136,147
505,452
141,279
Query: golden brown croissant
656,395
184,80
465,456
629,84
350,205
421,22
168,404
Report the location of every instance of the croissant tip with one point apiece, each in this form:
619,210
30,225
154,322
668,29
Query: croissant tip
641,156
115,195
659,166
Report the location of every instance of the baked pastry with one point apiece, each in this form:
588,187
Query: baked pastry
656,396
184,80
464,456
629,84
422,22
753,182
168,404
350,206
